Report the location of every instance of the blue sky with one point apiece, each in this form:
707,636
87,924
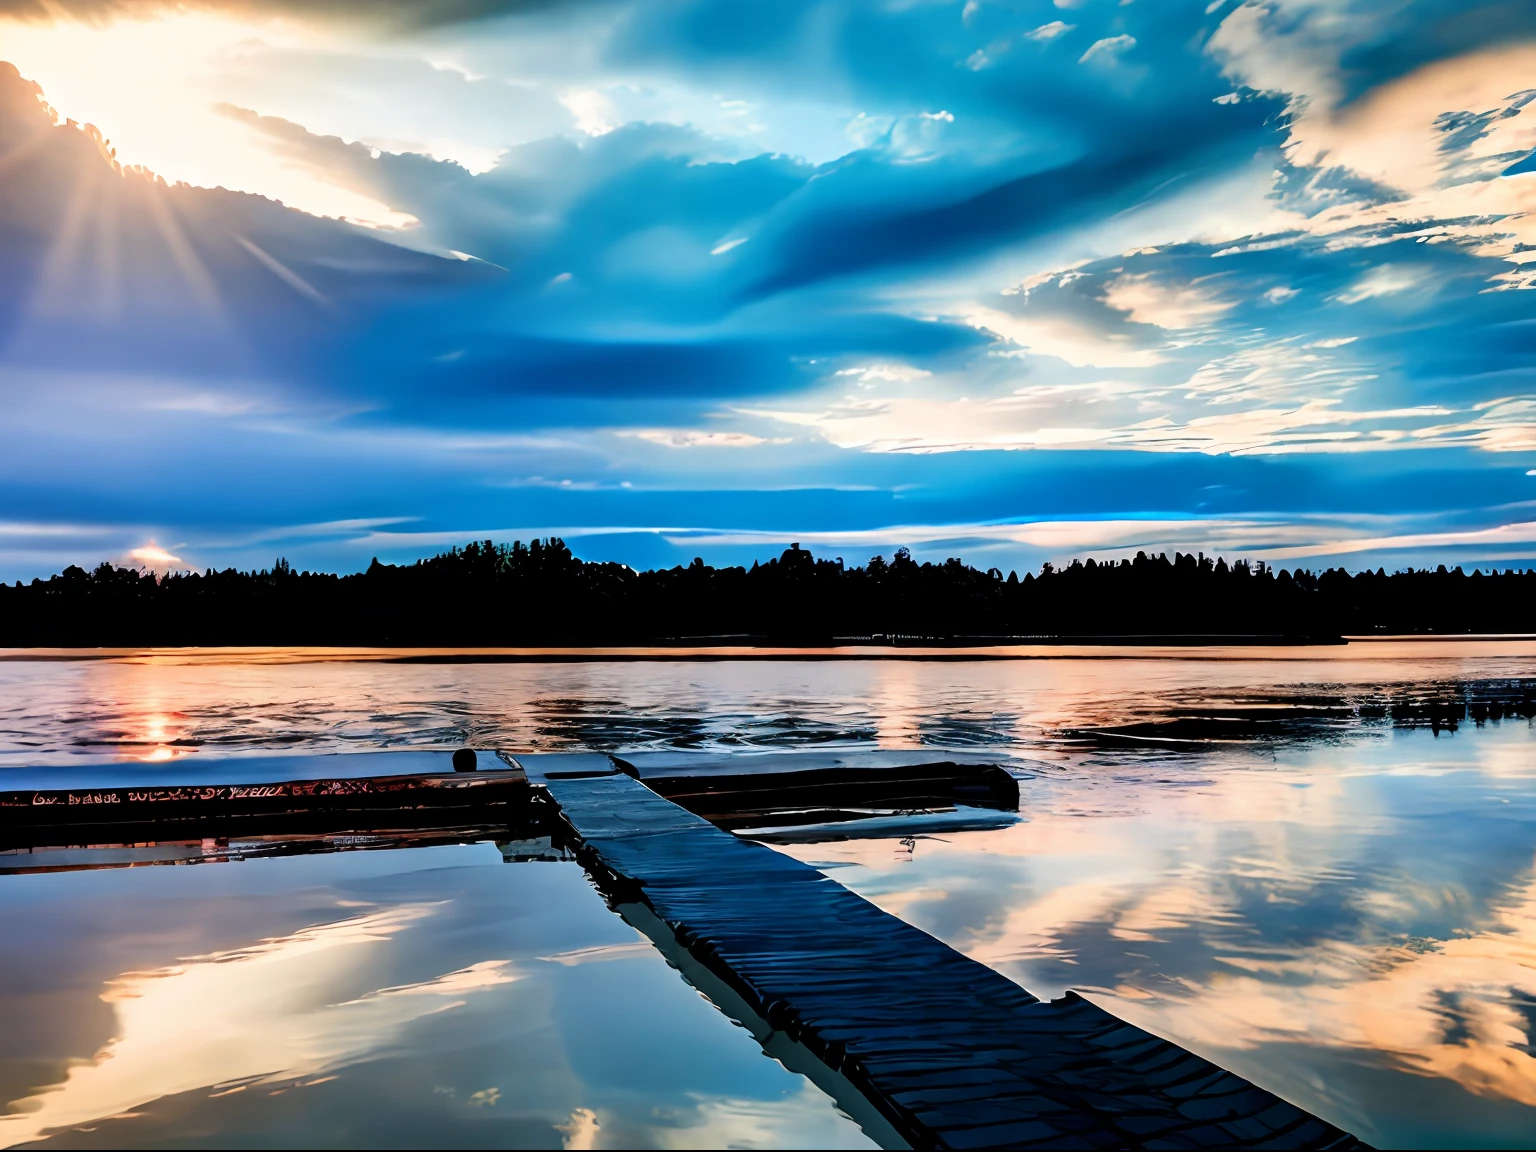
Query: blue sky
1011,280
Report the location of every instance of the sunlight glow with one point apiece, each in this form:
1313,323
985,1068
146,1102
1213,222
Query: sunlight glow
152,87
152,555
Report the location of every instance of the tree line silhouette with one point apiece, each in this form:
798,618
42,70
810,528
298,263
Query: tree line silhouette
538,593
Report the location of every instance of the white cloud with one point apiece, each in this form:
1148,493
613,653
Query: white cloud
1387,280
1507,424
1520,534
45,530
1276,373
1147,300
1064,339
892,373
1397,136
593,111
1110,415
1050,31
1312,426
694,438
1110,48
911,424
1294,55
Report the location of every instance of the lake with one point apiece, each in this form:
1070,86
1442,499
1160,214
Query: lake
1293,861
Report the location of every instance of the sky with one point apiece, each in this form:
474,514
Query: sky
1013,280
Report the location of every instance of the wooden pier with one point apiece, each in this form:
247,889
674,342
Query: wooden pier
263,797
922,1045
950,1053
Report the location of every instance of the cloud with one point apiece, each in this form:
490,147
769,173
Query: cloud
1501,539
1058,537
1066,340
1108,48
594,114
873,374
1429,146
1275,231
1027,419
109,266
695,438
1049,31
1383,281
266,1010
1147,301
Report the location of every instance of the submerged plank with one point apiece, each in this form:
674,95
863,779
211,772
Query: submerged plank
950,1053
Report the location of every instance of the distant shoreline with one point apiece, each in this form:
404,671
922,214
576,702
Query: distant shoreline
539,598
1076,648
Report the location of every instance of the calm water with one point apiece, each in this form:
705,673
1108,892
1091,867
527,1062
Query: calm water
1242,851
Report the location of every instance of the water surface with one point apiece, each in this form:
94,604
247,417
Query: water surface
431,997
1287,860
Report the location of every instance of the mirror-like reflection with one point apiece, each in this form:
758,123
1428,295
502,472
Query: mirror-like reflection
432,997
1352,926
1316,867
157,705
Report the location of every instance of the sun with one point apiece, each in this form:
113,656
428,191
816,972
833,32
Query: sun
151,555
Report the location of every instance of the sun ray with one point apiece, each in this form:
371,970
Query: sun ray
29,147
287,275
108,281
55,293
205,292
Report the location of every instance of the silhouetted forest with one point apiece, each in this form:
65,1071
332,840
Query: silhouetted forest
539,593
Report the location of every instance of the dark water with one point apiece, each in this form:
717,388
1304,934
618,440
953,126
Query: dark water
1316,869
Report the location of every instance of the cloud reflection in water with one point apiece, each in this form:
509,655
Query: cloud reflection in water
1333,902
425,997
1354,928
247,1017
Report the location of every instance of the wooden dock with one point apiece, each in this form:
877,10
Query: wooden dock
260,797
922,1045
949,1053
